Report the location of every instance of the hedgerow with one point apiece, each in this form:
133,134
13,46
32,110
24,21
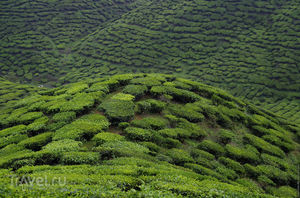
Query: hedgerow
71,158
150,106
104,137
118,110
263,145
61,146
36,142
138,134
211,147
242,154
64,116
135,90
155,123
231,164
111,150
185,112
179,156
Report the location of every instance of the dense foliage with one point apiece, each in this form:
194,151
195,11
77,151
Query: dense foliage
144,135
250,48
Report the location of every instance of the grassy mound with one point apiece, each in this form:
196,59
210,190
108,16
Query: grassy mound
145,135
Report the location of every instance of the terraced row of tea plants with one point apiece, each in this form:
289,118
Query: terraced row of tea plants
145,135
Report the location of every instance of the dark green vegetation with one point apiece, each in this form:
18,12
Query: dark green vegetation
145,136
249,47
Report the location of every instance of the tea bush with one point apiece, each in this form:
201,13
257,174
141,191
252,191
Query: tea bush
155,123
179,157
104,137
150,106
71,158
64,117
138,134
211,147
136,90
263,145
37,142
118,110
185,112
231,164
61,146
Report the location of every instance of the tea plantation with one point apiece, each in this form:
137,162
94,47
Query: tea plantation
143,135
248,47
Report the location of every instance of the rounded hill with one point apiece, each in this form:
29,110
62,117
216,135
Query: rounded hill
145,135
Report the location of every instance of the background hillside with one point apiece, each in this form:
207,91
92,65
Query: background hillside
144,135
250,48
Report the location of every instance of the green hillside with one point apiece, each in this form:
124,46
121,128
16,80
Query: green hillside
36,37
144,135
248,47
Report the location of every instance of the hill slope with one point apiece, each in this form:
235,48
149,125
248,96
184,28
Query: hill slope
145,135
248,47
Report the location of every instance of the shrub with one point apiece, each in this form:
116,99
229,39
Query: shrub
275,161
19,129
71,158
226,136
151,146
11,148
285,191
183,95
147,81
250,184
205,162
179,157
265,181
62,146
8,160
285,146
155,123
111,150
150,106
211,147
64,116
231,164
80,103
84,128
122,96
118,110
203,170
203,154
168,142
76,88
263,145
99,87
177,133
104,137
252,171
38,125
12,139
273,173
195,130
242,154
26,118
135,90
36,142
186,112
227,172
139,134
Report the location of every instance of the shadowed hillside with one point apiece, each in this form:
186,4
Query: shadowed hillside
145,135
